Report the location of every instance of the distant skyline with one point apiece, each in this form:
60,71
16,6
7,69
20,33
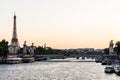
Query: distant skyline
62,23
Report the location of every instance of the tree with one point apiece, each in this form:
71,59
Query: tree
3,48
39,50
49,50
117,48
106,51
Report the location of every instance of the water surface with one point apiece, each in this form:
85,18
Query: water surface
55,71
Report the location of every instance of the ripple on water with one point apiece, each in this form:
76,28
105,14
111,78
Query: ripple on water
55,71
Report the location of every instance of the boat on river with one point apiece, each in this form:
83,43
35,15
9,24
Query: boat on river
13,60
106,62
117,69
109,69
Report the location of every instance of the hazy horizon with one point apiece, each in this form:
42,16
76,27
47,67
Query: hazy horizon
62,23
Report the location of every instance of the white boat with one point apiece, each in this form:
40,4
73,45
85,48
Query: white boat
117,69
13,60
109,69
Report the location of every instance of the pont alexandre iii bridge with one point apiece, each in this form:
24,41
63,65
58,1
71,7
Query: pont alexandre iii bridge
85,55
62,56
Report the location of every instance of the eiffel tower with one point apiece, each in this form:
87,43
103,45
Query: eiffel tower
14,40
14,47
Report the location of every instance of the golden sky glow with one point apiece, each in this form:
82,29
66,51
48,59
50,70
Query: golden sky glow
62,23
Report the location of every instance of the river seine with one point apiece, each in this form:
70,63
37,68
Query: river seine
55,71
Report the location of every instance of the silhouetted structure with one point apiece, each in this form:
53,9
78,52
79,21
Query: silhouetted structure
14,40
111,49
13,48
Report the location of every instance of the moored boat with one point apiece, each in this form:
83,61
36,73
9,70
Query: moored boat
13,60
104,62
117,69
109,69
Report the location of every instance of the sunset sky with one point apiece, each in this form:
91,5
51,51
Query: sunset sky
62,23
